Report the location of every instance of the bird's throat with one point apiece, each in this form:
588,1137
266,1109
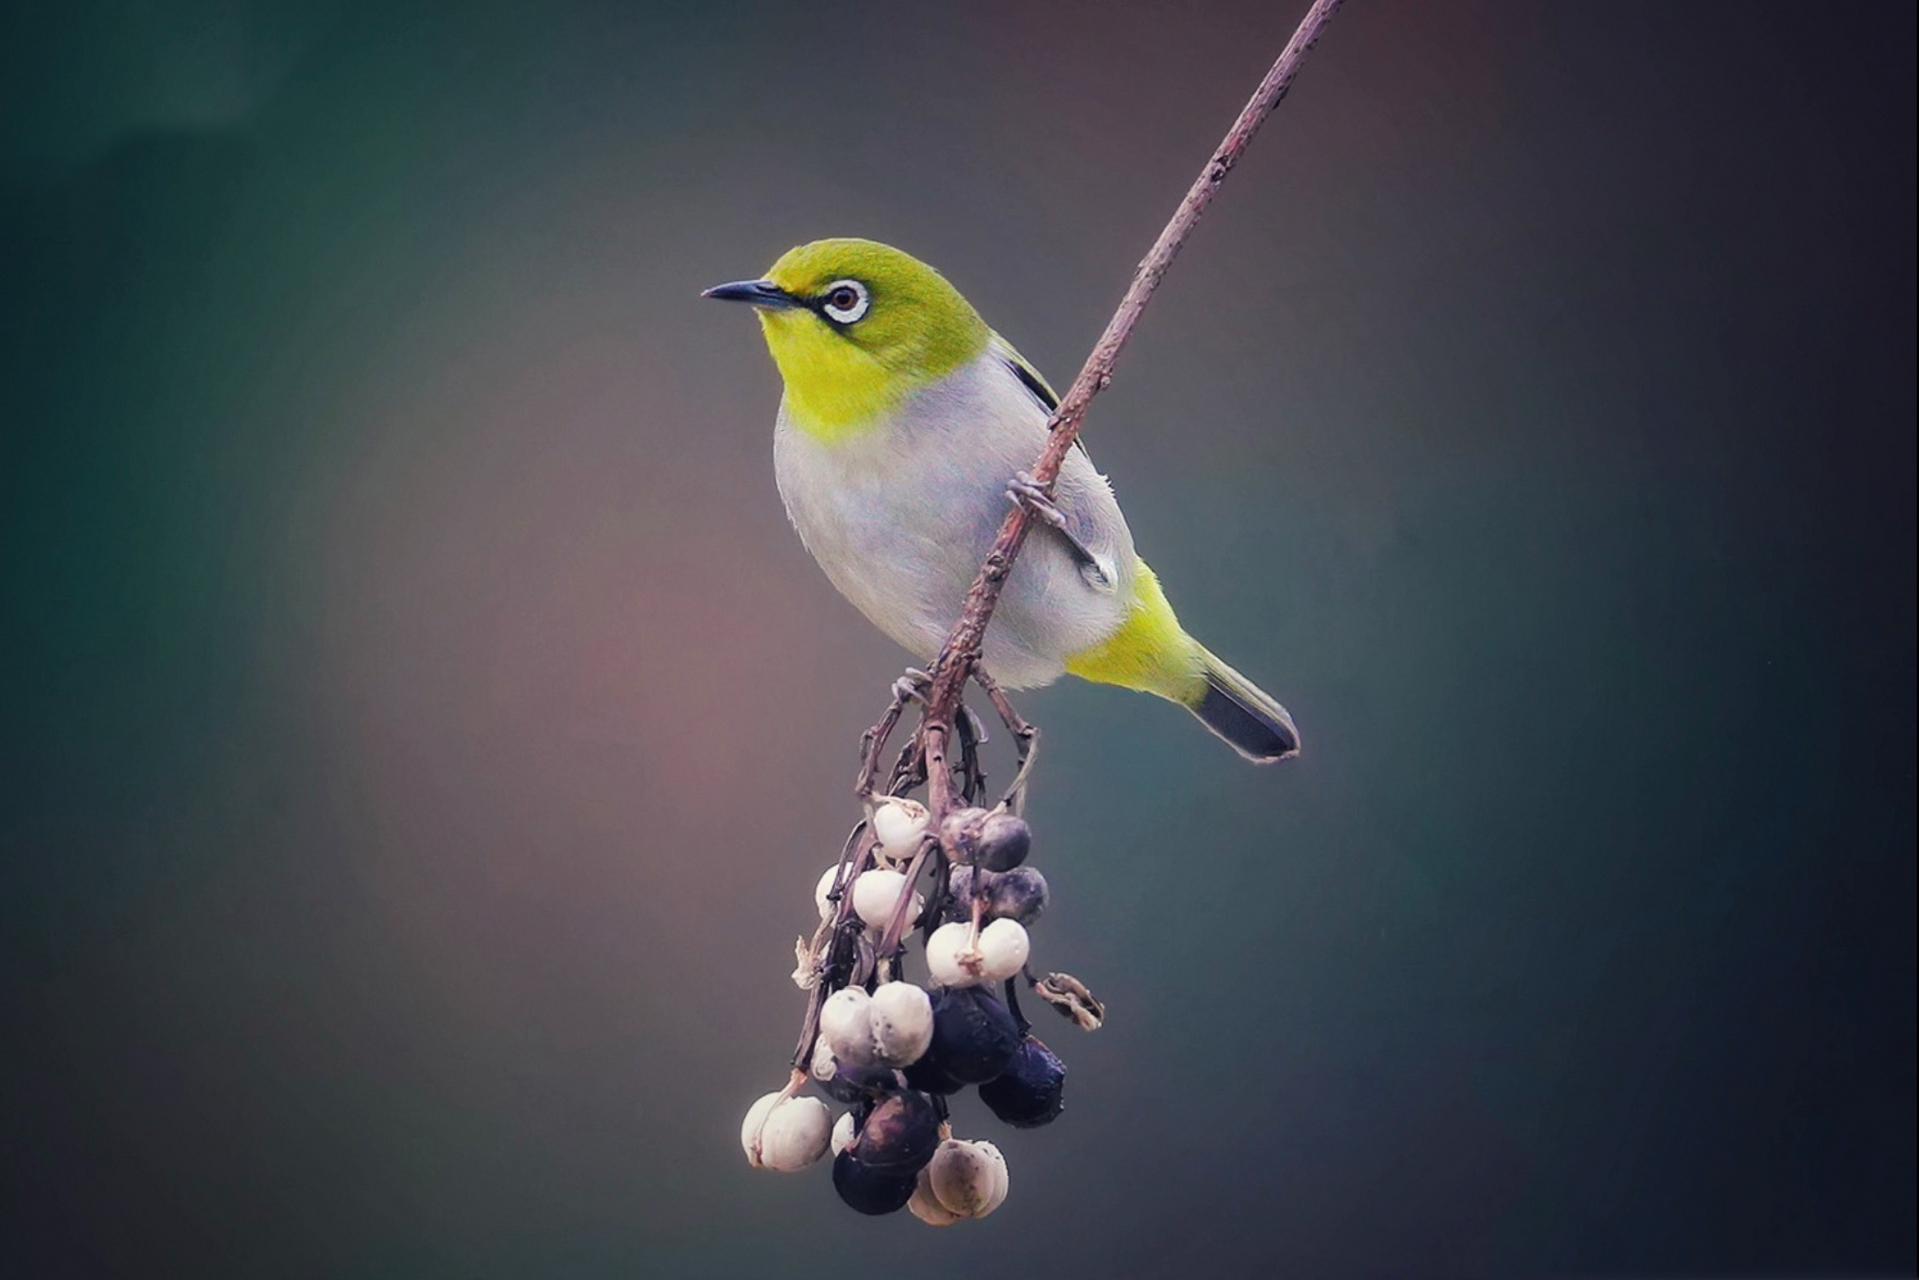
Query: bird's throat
834,390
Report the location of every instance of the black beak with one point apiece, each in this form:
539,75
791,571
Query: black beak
761,293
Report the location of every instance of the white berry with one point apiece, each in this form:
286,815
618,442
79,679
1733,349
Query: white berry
795,1134
824,1066
948,953
877,893
791,1133
846,1025
899,825
824,887
843,1134
926,1206
1002,1180
750,1127
902,1023
1003,947
967,1178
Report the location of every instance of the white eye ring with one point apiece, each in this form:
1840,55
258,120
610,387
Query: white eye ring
836,307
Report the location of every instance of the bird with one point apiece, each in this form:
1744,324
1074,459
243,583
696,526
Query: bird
902,434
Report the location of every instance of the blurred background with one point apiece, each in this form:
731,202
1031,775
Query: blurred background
423,731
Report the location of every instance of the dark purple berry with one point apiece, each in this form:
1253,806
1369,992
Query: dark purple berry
900,1136
1004,841
960,835
974,1035
1019,894
868,1191
959,888
850,1084
926,1075
1029,1092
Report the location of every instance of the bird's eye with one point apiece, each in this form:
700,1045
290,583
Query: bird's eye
845,301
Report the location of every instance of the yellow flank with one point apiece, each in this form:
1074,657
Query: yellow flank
1150,652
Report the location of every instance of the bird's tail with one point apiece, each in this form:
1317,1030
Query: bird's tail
1151,652
1243,714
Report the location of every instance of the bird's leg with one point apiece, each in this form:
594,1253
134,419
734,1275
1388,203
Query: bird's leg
1029,493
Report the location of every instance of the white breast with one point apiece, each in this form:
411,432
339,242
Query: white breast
901,514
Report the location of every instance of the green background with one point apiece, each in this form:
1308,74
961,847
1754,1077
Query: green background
423,731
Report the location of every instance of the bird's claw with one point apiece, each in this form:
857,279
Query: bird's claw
912,686
1024,491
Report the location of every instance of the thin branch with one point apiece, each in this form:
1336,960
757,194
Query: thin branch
1025,740
960,655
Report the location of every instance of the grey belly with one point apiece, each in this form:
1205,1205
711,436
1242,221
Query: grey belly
902,538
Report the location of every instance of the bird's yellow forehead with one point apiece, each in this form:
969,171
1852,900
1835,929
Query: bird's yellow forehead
807,270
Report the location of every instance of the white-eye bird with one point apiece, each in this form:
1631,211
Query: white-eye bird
900,439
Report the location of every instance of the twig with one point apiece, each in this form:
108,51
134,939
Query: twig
873,743
1025,740
960,655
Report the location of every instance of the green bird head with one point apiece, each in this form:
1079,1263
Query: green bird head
854,327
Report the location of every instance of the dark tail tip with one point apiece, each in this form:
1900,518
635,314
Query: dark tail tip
1249,721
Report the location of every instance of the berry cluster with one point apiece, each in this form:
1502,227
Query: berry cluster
892,1051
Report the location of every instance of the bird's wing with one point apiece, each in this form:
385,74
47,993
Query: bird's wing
1030,378
1092,527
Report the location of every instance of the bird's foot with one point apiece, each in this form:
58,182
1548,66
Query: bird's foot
912,686
1024,491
